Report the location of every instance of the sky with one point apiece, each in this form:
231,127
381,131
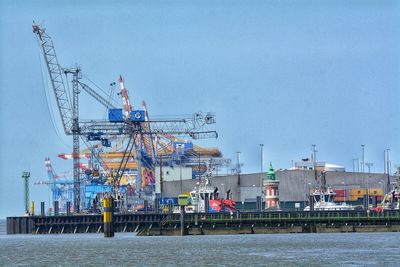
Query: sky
286,74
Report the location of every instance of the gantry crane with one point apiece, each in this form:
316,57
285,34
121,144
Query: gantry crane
101,130
61,188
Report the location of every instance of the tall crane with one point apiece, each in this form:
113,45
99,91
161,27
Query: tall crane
69,113
96,130
125,98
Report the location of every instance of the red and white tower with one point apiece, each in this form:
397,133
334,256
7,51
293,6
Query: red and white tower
125,98
271,189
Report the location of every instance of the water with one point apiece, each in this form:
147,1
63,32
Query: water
348,249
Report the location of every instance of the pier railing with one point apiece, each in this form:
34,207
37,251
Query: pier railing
286,217
160,221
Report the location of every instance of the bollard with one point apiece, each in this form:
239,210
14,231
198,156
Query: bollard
258,203
33,208
169,207
56,209
206,203
68,208
42,209
108,217
157,204
311,200
182,220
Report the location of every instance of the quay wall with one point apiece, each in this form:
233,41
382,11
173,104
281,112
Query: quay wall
146,224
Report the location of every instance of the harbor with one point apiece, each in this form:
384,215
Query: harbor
146,175
199,133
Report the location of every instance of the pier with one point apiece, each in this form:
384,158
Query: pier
150,224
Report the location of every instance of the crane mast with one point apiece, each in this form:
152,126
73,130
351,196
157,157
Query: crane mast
75,139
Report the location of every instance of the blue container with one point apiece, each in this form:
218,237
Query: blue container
94,136
137,115
171,200
105,142
115,115
181,147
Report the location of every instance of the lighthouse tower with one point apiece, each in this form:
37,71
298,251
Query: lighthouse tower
271,189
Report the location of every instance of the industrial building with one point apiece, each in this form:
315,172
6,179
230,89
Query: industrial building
294,186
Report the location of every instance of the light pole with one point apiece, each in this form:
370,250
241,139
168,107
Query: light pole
261,169
355,164
344,192
180,171
369,165
314,150
362,164
388,171
238,163
238,167
362,172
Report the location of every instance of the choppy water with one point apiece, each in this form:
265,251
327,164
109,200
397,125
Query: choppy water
350,249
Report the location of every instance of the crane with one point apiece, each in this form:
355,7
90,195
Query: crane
125,98
101,130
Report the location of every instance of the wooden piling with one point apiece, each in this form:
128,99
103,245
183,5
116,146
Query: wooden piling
182,219
56,208
33,208
68,208
108,217
42,209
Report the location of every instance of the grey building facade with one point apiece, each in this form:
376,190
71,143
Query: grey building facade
294,184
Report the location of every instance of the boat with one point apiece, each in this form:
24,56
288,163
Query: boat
324,200
204,191
391,201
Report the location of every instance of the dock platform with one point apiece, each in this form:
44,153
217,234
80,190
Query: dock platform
151,223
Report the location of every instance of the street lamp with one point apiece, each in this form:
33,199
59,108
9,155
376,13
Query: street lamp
180,172
344,191
355,163
362,164
261,168
369,165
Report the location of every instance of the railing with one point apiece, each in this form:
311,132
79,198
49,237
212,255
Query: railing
273,217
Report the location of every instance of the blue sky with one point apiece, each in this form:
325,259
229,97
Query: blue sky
287,74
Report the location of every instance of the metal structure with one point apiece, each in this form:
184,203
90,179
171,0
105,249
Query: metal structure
25,176
61,187
102,130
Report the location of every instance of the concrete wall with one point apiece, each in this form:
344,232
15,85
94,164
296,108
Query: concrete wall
173,174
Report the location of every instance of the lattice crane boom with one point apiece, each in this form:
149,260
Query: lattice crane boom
194,127
55,73
96,95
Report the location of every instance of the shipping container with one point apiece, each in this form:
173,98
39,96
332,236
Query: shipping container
341,199
115,115
171,200
358,192
376,192
339,192
355,198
